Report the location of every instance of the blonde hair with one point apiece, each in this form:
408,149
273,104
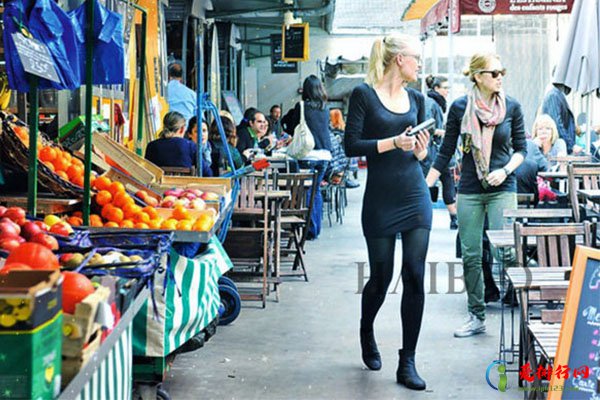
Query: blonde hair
479,61
383,52
545,119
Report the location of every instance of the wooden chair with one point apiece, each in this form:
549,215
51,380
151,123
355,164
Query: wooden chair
564,161
525,200
179,171
247,208
583,176
533,215
295,220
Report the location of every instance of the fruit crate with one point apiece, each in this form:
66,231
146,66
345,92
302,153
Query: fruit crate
131,185
72,365
78,328
220,186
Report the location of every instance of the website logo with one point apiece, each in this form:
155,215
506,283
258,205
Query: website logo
502,378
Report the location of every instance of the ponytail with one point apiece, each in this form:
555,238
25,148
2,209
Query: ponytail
376,63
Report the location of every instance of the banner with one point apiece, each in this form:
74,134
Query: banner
477,7
439,12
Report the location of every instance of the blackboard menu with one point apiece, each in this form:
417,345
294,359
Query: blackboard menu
578,351
278,66
295,42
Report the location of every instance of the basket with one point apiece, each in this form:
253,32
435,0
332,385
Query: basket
16,153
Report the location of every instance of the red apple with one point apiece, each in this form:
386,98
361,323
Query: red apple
42,226
9,243
61,228
30,229
15,213
9,228
47,240
2,211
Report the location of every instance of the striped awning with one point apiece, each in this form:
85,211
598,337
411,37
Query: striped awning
417,9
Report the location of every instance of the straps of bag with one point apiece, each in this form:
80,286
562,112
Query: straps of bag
302,120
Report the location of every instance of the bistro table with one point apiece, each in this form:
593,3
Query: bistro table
277,197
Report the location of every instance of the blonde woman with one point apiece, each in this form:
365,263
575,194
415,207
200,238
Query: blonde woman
545,136
494,145
396,200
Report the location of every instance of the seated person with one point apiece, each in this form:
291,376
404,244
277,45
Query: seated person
192,134
254,135
545,136
219,156
171,149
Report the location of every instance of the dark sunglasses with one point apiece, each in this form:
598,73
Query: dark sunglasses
495,73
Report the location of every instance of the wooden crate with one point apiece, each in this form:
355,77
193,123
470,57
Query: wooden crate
72,365
131,185
138,167
220,186
79,327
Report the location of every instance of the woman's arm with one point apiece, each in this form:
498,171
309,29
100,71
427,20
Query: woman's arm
448,145
291,119
355,145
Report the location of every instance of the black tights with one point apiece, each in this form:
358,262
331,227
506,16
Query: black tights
381,264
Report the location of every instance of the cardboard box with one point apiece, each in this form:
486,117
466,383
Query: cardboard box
30,334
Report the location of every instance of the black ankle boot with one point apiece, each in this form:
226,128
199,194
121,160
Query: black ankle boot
370,353
407,373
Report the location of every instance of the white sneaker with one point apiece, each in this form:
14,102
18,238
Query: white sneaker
473,326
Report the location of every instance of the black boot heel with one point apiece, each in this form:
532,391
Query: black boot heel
370,353
407,373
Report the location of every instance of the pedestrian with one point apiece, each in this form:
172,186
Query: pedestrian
493,136
396,200
180,97
555,105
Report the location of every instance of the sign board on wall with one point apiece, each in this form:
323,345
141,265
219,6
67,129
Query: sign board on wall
278,66
295,42
470,7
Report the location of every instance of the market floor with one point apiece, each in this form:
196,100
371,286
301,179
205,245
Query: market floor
306,346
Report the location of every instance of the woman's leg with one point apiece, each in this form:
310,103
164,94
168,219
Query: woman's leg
381,265
414,252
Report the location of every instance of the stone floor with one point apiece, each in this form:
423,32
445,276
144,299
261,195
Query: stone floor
306,346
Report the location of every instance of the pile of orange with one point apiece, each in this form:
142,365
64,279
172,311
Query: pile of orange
62,163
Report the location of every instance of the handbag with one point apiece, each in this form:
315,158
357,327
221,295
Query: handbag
303,141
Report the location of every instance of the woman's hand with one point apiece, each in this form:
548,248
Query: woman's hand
537,141
405,142
420,150
495,178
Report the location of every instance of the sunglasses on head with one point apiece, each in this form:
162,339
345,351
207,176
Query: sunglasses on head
495,73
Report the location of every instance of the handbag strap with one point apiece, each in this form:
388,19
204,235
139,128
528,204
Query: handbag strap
302,120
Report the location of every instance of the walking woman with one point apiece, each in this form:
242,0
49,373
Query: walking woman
494,145
381,113
316,114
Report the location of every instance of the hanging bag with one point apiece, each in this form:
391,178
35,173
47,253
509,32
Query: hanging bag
303,141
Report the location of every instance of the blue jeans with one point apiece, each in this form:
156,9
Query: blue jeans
317,212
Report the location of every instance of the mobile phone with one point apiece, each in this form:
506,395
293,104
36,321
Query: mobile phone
427,124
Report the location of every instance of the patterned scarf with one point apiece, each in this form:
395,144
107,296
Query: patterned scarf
480,139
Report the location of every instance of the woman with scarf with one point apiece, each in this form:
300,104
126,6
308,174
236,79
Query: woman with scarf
493,135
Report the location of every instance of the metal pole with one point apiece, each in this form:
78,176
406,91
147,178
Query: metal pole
142,80
33,134
184,44
199,94
451,51
89,63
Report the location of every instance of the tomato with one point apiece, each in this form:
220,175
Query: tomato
14,267
35,255
76,287
15,213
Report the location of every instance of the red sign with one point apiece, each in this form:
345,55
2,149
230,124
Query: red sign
489,7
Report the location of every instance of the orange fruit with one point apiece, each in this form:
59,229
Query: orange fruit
115,214
155,223
203,223
102,183
77,162
103,197
105,210
47,153
127,223
180,213
141,225
74,171
184,225
60,164
75,221
121,199
111,224
67,156
170,224
151,211
95,220
78,180
116,187
49,165
63,175
142,217
131,209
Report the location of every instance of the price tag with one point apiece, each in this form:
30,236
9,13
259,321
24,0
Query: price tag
35,57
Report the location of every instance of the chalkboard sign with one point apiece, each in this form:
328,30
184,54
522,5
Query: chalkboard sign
278,66
35,57
295,42
579,341
233,106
